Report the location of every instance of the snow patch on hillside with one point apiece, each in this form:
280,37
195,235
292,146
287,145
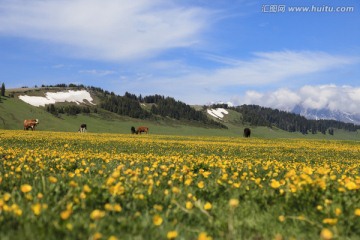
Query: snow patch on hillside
54,97
218,112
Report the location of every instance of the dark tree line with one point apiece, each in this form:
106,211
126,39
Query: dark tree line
130,105
169,107
123,105
69,110
2,92
3,89
262,116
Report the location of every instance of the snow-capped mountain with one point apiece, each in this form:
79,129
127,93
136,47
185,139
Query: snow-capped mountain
327,114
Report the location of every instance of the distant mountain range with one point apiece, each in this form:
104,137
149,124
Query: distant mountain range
327,114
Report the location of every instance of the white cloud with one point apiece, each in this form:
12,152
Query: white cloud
108,30
269,67
331,97
98,72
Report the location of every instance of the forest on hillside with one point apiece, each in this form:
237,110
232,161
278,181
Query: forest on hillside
130,105
262,116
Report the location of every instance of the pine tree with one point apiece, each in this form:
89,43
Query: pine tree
3,90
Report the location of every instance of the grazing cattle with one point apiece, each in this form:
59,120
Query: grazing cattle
133,131
142,129
247,132
83,128
30,123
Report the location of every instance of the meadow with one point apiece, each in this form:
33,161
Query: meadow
58,185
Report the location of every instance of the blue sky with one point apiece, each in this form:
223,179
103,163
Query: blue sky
197,51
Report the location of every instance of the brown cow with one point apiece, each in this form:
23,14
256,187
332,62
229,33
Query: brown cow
142,129
30,123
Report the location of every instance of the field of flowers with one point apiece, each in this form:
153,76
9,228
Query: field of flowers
112,186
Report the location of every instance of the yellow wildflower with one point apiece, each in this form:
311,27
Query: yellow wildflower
281,218
189,205
204,236
36,208
338,211
326,234
330,221
97,214
97,236
357,212
351,185
53,179
86,188
65,214
157,220
6,197
172,235
207,206
25,188
234,203
274,183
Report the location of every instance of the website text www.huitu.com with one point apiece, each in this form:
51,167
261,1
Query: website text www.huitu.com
277,8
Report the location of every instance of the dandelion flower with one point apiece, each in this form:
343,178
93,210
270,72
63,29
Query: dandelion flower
234,203
281,218
6,197
87,189
330,221
53,179
326,234
189,205
36,208
97,214
275,184
351,185
357,212
201,184
204,236
338,211
172,235
207,206
25,188
157,220
65,214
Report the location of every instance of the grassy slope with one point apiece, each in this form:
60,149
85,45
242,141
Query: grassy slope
13,111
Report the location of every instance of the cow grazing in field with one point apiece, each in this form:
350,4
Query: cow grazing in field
30,123
247,132
83,128
142,129
133,131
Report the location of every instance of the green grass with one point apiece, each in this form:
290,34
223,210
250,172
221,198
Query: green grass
14,111
143,173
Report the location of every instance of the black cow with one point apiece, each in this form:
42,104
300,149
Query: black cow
83,128
133,131
247,132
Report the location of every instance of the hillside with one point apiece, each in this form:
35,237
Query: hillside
67,116
157,112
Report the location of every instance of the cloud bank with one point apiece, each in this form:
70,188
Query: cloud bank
105,30
330,97
263,69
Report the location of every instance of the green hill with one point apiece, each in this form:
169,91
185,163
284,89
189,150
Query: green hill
13,111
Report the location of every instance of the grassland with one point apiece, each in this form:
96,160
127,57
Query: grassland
13,112
58,185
